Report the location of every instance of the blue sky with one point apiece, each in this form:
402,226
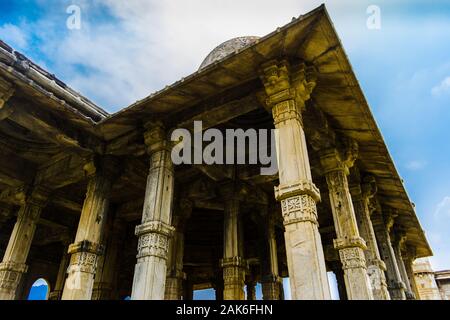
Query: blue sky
126,50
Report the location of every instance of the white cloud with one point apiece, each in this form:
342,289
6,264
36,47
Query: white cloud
443,209
13,35
40,282
442,88
415,165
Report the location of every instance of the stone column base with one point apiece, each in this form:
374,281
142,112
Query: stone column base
150,272
397,290
271,288
10,276
174,288
81,271
234,276
55,295
351,254
101,291
375,271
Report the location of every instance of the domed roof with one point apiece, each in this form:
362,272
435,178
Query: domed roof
227,48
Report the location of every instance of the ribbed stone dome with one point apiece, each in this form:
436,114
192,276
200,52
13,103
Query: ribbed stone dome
227,48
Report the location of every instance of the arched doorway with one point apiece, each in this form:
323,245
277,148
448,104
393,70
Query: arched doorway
39,290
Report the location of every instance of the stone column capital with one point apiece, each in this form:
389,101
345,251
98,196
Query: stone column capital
107,166
283,81
36,195
155,137
333,159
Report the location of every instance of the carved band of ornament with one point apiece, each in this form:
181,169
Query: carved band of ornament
284,191
83,262
353,242
301,208
13,267
158,227
233,262
9,279
284,111
86,246
153,244
233,275
352,258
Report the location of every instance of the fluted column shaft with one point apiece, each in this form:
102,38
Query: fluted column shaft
287,92
13,265
87,247
155,230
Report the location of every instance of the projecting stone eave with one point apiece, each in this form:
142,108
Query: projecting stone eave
312,38
27,75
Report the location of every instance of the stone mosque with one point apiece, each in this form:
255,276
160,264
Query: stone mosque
92,202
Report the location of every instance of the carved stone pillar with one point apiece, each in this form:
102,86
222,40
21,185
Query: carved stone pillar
398,244
87,246
13,266
105,277
349,243
336,267
270,280
408,257
250,285
61,277
382,225
155,230
233,263
218,288
175,274
375,266
287,93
